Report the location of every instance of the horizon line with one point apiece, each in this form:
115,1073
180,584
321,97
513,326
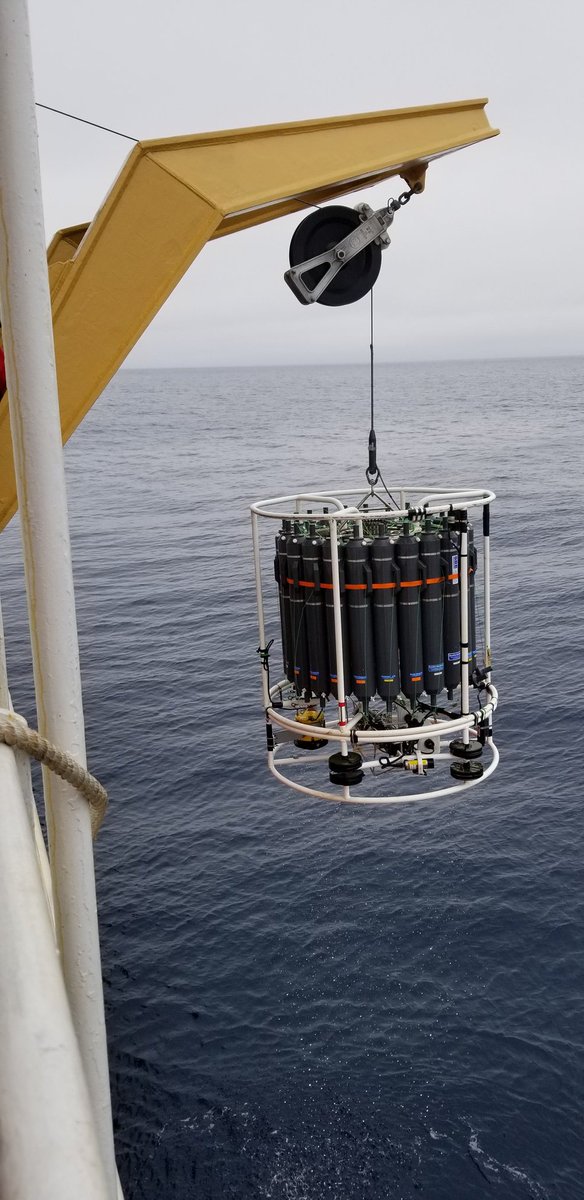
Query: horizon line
401,362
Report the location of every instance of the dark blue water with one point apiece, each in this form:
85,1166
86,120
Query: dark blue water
307,1001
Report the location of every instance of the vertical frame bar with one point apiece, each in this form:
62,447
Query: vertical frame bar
341,697
487,584
463,576
260,601
4,689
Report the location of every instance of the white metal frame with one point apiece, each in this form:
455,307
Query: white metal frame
341,732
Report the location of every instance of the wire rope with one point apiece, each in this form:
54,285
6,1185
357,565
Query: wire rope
83,121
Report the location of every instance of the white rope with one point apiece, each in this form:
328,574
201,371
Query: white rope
15,732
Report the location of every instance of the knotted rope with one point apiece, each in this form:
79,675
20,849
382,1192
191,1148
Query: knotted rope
15,732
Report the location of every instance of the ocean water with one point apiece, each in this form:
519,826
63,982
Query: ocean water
308,1001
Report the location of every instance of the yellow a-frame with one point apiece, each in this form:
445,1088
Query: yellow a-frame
110,278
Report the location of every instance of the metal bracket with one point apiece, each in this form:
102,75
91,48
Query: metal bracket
373,228
365,211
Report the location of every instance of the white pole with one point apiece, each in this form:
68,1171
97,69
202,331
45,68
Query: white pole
464,682
341,697
4,689
487,584
49,1145
260,602
36,435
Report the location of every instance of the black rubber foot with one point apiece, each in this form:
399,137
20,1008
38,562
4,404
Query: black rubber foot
466,771
460,749
344,769
310,743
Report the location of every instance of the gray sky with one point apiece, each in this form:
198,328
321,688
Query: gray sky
489,262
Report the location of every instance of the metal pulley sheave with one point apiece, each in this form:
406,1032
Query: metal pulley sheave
335,254
319,236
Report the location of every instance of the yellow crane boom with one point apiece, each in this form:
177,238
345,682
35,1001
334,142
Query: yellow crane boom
110,278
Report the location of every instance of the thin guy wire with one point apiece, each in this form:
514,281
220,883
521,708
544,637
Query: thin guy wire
83,121
371,360
392,498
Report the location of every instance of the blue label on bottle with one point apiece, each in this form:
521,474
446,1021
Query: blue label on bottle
455,562
454,657
436,667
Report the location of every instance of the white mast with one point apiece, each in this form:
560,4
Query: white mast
36,435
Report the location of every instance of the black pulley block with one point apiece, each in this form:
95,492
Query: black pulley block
321,231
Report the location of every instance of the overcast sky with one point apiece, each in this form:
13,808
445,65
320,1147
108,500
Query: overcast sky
488,263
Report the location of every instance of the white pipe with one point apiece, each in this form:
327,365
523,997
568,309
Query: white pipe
341,697
350,723
465,497
370,737
318,497
261,511
414,733
432,500
348,798
23,764
44,865
36,437
487,587
427,493
369,764
49,1145
279,687
310,758
260,602
464,660
4,690
411,735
